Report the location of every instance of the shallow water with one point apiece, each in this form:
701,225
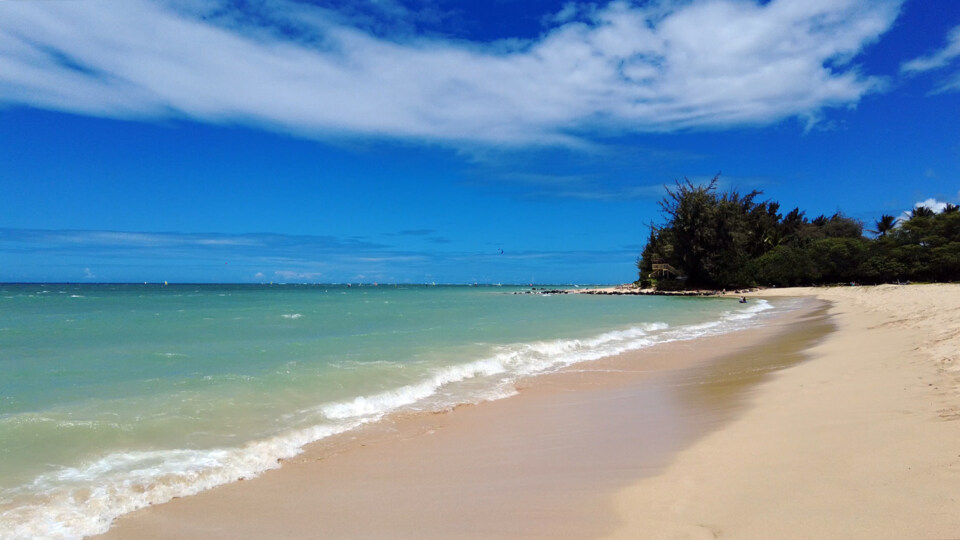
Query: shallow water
113,397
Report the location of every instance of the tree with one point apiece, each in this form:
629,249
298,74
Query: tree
885,224
726,240
791,226
836,260
709,238
784,266
841,226
692,210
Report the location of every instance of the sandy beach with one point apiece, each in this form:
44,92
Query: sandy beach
860,441
838,420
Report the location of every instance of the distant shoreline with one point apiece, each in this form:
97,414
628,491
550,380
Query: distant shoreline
631,289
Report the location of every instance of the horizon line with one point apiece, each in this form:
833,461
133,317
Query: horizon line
357,283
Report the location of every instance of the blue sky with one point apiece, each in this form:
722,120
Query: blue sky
448,141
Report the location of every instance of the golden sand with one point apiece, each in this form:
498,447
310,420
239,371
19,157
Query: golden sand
861,441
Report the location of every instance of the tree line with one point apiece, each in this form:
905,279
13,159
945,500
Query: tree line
731,240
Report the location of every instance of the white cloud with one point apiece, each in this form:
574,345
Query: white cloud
932,204
87,274
939,59
666,66
179,244
952,84
138,239
297,276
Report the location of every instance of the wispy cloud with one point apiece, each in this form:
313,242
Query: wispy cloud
70,255
629,171
290,275
429,235
940,59
173,243
314,72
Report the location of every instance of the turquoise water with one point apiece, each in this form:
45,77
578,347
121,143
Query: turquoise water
113,397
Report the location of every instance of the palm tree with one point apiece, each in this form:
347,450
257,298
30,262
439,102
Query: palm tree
921,211
885,224
950,208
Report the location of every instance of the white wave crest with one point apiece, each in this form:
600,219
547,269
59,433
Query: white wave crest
511,362
82,501
748,312
384,402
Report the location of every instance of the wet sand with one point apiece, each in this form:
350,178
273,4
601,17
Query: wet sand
544,463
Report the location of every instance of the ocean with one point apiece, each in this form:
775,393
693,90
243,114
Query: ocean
114,397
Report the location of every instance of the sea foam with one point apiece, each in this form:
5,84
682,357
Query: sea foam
83,501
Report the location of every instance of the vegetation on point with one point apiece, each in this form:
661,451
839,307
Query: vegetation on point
729,240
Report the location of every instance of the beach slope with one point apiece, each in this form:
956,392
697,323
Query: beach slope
860,441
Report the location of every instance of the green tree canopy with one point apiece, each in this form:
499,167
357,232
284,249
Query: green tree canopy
725,240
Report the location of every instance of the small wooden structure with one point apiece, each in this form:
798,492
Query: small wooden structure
662,270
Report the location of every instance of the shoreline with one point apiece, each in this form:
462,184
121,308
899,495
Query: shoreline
631,289
543,462
855,437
